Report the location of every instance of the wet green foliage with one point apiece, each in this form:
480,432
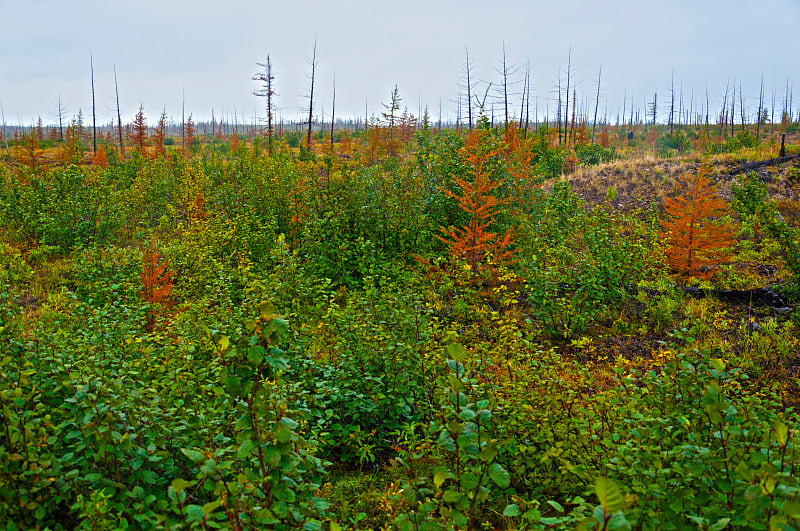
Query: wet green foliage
321,346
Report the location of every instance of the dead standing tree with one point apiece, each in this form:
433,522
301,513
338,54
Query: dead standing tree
119,116
94,115
597,102
467,85
333,110
267,91
311,93
566,110
525,105
505,72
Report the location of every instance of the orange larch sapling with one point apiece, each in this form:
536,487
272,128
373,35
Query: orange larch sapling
696,241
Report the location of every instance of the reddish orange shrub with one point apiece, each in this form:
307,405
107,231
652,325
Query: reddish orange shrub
696,241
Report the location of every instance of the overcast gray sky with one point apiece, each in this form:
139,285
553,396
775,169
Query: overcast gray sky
209,49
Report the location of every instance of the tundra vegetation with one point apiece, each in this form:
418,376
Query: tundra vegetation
400,327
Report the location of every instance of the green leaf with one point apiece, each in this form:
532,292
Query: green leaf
452,496
618,521
459,518
469,481
722,523
194,455
466,414
555,505
272,456
255,355
210,506
609,494
224,343
718,365
499,475
438,478
246,448
781,432
488,452
456,351
179,484
194,513
512,510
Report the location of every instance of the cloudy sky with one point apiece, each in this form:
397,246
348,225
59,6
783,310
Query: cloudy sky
208,50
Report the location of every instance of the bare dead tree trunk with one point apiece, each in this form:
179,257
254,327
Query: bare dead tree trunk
637,113
733,109
596,101
94,117
558,110
183,121
566,111
772,116
60,120
760,104
311,94
707,135
654,106
671,101
333,110
119,116
624,108
527,98
723,118
468,85
742,111
267,91
572,126
505,72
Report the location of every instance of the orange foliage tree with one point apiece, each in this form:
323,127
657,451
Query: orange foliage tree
159,135
696,241
28,153
72,149
100,158
157,283
188,136
139,135
475,243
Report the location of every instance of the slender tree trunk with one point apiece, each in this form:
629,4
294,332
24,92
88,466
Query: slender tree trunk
772,118
566,110
624,108
707,135
572,126
631,120
596,101
671,101
527,99
60,120
311,95
723,118
333,110
94,116
733,109
760,103
468,73
742,110
505,85
558,111
119,116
